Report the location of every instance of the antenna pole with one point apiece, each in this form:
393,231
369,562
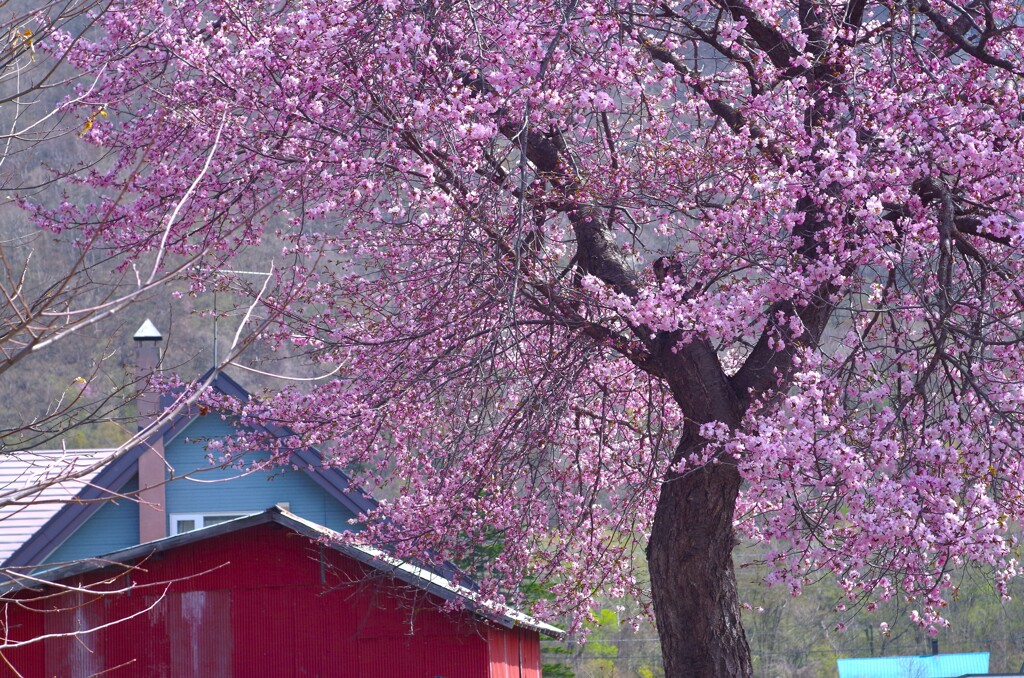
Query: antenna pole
216,360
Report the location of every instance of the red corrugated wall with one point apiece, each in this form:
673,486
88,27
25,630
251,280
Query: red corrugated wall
270,603
513,653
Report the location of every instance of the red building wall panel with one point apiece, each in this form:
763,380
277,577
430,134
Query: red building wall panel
198,630
74,652
267,614
456,656
19,626
269,602
531,653
120,647
513,653
498,653
391,657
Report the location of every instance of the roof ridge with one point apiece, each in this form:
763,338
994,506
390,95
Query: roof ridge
112,477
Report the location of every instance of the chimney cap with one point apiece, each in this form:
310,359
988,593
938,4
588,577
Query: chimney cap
148,332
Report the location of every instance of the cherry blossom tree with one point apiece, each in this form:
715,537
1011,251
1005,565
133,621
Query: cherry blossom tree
57,288
51,295
598,281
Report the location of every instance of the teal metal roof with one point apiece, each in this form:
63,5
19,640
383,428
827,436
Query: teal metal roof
925,666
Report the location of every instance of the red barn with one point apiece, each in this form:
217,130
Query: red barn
270,594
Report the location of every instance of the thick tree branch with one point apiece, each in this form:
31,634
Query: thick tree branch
771,41
951,32
692,370
773,356
855,14
733,118
597,252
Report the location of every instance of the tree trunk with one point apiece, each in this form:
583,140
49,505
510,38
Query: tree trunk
693,581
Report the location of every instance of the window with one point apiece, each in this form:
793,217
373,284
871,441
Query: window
187,522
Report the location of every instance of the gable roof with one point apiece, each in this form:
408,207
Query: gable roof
374,558
80,506
34,485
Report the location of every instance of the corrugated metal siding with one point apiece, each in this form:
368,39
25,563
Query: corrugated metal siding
265,613
156,625
200,633
80,656
513,653
208,490
459,656
497,650
318,653
119,647
269,614
530,657
114,526
400,656
20,626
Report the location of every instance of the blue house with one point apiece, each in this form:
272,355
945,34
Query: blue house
165,485
216,560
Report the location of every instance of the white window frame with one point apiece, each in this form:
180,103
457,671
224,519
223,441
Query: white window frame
200,519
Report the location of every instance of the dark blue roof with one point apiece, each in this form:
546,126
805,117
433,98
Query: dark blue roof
113,477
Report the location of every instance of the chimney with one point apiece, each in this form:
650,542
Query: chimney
152,466
147,361
935,646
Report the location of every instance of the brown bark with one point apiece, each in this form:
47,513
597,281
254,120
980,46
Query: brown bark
693,580
690,551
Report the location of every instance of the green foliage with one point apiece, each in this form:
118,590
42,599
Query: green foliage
803,637
549,670
613,650
798,637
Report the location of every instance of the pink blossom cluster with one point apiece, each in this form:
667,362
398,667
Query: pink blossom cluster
836,221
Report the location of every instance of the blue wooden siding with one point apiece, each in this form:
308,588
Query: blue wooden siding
114,526
207,490
218,490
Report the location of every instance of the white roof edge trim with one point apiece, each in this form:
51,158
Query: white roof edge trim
434,579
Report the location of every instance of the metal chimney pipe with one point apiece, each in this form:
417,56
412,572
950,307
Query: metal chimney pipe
152,465
147,362
935,646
